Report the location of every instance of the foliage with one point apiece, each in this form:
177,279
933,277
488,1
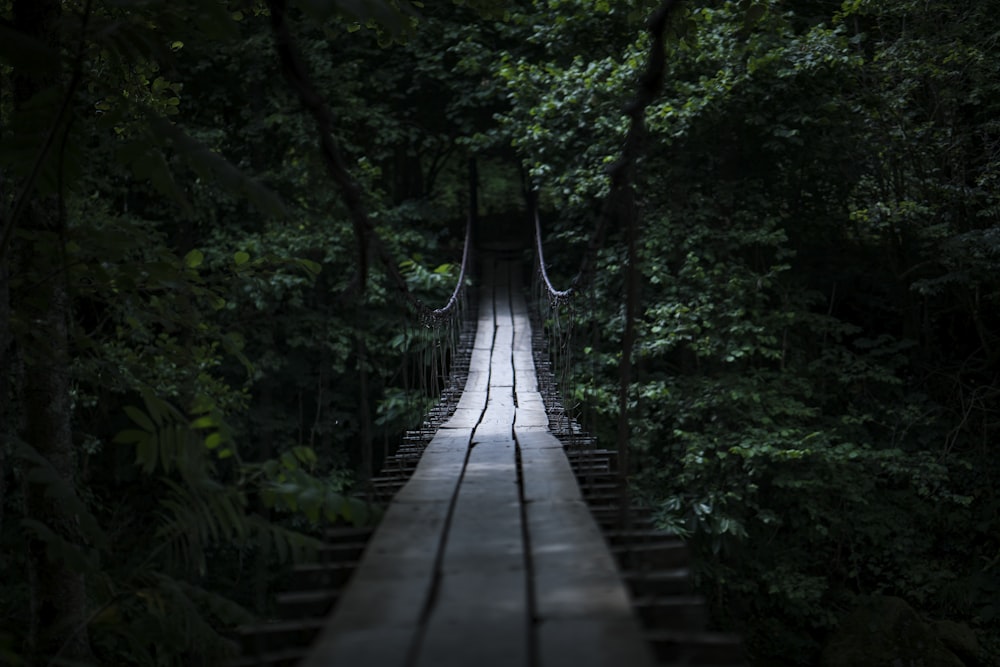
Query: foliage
219,414
818,328
816,364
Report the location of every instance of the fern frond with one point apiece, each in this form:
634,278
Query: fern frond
196,517
286,544
169,623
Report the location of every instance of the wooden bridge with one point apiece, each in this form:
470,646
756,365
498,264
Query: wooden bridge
489,554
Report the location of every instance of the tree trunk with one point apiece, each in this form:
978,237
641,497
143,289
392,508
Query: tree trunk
8,419
58,603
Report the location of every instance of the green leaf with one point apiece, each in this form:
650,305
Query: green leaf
194,258
140,418
213,440
311,267
130,437
241,258
289,461
207,421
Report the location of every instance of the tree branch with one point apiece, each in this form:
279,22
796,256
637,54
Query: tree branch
294,72
621,172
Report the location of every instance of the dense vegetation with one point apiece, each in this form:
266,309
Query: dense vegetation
817,350
204,345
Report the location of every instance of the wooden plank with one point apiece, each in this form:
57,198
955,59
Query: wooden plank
404,546
526,380
477,381
432,483
480,616
450,440
501,373
522,333
581,603
375,646
530,417
501,367
499,408
566,586
532,439
480,359
486,536
463,418
529,400
472,399
518,302
377,620
484,335
547,476
504,338
523,360
483,622
591,642
500,397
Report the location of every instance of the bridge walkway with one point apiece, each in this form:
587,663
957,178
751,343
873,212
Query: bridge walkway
489,555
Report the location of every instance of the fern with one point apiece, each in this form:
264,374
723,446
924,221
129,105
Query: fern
165,622
195,517
200,513
286,544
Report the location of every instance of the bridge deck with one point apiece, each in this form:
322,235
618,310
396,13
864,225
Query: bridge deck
488,556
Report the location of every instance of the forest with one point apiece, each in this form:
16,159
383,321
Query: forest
218,219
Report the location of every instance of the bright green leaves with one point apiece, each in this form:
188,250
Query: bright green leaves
806,244
167,441
312,268
566,121
194,259
290,485
241,258
436,284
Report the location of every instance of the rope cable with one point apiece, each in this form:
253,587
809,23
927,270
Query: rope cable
454,301
556,296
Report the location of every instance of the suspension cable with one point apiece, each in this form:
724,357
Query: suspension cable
442,313
621,172
555,296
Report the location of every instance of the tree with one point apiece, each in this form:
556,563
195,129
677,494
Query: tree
204,446
57,596
790,352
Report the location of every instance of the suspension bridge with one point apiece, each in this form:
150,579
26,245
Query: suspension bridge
506,541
